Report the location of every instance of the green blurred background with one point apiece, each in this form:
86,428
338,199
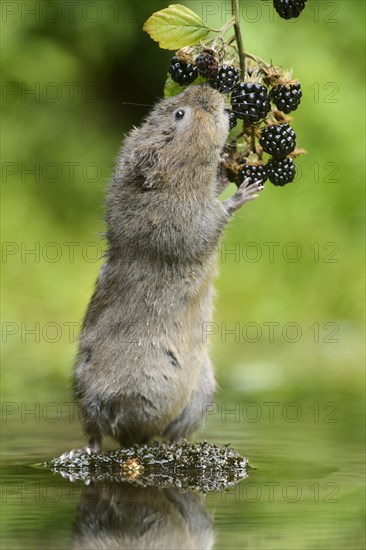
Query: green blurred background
67,77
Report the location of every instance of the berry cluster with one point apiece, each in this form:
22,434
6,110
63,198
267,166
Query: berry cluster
281,171
222,77
287,96
253,171
226,79
278,140
182,71
250,101
289,9
261,100
207,64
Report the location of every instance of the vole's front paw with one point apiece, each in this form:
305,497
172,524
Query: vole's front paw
245,193
223,181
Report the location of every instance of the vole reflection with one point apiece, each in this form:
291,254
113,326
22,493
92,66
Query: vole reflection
120,516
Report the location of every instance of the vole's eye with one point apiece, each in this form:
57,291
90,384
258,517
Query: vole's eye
180,114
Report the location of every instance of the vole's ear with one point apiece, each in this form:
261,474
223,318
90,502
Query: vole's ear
144,161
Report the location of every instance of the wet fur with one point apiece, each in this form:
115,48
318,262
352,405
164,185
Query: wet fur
143,369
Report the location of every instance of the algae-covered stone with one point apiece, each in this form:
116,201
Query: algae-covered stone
198,466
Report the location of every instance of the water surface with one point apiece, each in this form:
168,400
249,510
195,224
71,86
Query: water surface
304,489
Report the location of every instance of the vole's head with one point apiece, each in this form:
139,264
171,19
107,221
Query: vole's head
195,121
182,135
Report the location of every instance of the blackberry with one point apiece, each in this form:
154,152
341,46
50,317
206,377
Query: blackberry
207,65
254,172
281,172
286,97
278,140
225,79
181,71
232,119
289,9
250,102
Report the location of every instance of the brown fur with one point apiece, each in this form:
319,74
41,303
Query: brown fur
143,369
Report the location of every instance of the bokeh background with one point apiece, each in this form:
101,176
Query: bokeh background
65,88
71,77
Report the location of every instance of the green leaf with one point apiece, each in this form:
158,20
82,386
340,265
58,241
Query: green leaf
172,88
175,27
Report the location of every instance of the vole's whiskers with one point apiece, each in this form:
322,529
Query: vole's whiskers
136,104
230,89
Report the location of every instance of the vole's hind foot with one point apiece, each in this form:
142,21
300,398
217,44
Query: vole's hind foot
68,455
93,447
245,193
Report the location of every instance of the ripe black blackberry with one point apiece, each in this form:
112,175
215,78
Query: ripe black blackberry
250,102
289,9
278,140
226,78
207,65
181,71
232,119
281,172
253,171
286,97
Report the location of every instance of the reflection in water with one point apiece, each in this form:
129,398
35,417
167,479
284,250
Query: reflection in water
121,516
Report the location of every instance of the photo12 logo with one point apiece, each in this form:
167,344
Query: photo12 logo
271,412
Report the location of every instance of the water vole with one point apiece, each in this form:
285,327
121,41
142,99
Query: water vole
143,368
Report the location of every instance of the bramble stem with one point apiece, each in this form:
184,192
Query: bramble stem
239,39
252,141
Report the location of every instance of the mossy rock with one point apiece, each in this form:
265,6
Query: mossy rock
188,466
